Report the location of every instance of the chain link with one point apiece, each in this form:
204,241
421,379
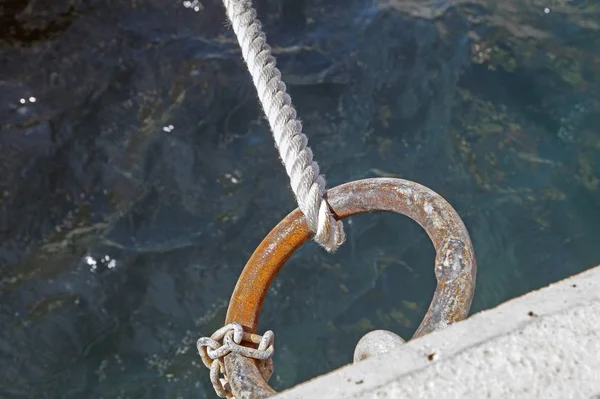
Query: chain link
233,334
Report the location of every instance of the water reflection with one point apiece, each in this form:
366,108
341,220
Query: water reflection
138,175
93,263
194,5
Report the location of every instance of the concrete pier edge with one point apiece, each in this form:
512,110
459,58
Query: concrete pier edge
545,343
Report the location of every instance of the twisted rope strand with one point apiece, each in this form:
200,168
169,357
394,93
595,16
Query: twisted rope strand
307,183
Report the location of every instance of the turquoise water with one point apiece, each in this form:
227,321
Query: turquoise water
138,175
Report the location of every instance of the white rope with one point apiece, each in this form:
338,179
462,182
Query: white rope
307,183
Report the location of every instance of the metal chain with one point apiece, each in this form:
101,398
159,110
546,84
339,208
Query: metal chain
233,334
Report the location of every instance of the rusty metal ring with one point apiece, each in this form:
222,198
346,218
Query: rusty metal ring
455,266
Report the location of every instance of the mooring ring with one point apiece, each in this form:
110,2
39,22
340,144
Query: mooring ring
455,266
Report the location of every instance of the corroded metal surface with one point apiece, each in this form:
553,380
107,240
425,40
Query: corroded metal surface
455,266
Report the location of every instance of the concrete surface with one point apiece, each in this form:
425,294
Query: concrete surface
543,344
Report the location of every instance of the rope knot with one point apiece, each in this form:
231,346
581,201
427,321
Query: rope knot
330,232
